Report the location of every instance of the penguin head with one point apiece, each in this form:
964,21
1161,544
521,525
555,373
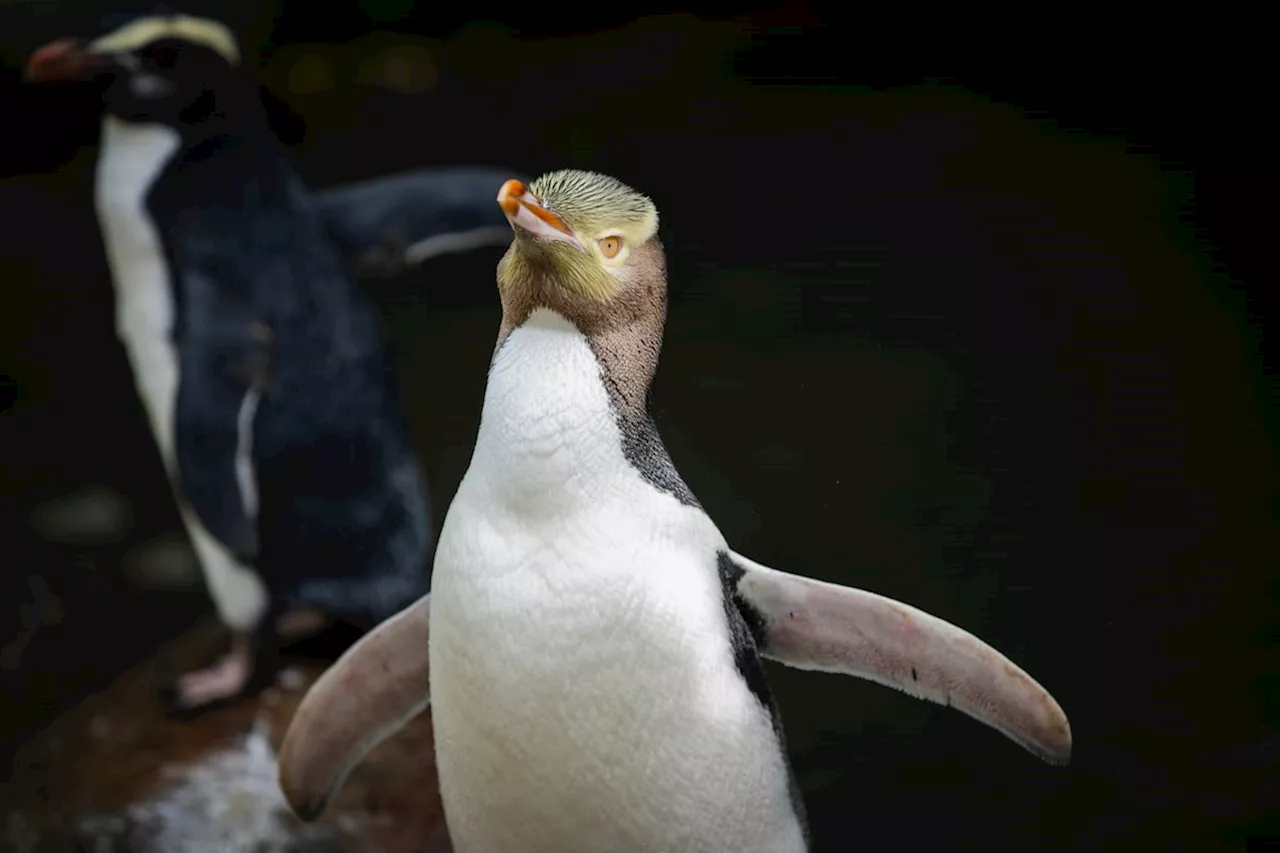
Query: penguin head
586,235
165,67
586,247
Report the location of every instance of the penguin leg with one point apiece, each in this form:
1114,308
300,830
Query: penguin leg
377,686
809,624
223,678
247,608
226,379
248,666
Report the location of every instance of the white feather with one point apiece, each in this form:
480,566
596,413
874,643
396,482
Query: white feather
132,156
585,691
246,478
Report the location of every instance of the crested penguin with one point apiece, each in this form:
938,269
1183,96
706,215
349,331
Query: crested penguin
594,663
267,384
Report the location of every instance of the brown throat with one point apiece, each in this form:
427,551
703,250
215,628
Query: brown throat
625,331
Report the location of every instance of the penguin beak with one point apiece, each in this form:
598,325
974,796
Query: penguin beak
65,59
525,212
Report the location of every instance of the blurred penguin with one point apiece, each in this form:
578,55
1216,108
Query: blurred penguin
261,365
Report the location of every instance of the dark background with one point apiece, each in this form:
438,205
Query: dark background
980,341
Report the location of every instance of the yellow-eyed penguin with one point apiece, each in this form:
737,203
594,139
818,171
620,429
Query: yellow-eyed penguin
595,644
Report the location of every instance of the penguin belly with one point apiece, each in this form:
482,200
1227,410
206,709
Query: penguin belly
585,692
131,158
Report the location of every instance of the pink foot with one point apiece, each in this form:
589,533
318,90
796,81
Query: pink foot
222,680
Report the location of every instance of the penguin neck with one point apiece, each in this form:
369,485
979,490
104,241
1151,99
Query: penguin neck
149,175
550,423
131,158
153,167
624,331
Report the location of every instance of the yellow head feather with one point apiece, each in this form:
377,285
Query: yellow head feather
201,31
595,206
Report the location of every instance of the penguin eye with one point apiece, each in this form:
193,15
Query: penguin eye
162,56
610,246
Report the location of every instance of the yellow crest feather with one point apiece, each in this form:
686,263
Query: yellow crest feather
593,205
202,31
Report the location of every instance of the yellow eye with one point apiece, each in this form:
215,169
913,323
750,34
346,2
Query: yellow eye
610,246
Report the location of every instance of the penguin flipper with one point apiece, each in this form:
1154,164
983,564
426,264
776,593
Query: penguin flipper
368,695
809,624
387,225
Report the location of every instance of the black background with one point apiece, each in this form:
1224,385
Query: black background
975,326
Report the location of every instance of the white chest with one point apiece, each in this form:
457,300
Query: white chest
131,157
585,693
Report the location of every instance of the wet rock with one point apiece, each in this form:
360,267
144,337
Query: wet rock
115,775
165,562
94,515
291,679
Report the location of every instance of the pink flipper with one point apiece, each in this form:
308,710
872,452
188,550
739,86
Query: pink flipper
809,624
364,698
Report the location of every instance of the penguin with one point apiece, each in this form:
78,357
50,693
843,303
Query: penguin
262,368
382,226
595,645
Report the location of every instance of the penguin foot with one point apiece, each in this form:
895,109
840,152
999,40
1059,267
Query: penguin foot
225,678
236,675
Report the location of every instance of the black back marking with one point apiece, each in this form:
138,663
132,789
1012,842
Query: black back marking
642,445
747,636
643,448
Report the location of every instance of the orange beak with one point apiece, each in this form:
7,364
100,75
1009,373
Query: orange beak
526,212
63,59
